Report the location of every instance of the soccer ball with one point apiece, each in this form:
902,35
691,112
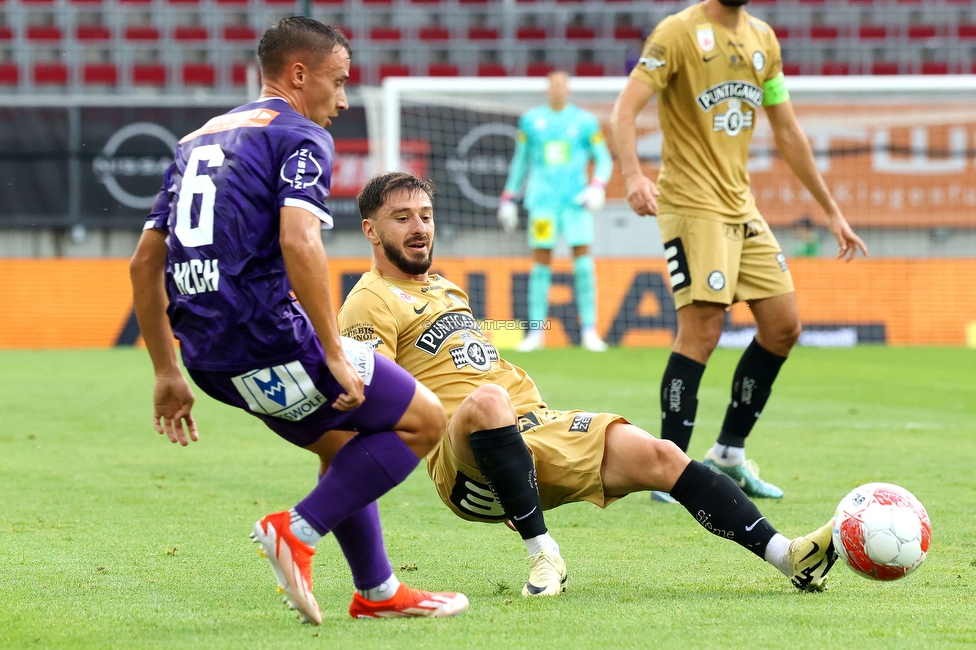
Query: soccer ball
882,531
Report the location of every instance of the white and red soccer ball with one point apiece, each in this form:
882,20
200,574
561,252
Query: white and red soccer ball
882,531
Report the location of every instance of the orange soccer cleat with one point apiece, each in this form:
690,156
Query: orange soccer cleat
409,602
291,561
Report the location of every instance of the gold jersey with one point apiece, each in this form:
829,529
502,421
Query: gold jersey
428,329
710,83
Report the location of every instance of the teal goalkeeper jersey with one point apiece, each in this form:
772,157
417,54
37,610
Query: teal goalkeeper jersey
555,149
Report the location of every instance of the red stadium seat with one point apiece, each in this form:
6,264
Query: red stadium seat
232,2
539,69
43,33
492,70
238,74
9,74
791,68
92,33
580,33
823,33
149,74
589,69
393,70
872,32
328,2
473,2
416,2
884,68
189,33
935,67
966,31
782,33
835,68
101,74
627,32
921,32
86,2
377,2
434,33
141,33
239,33
199,74
482,34
6,34
530,33
355,75
183,2
50,74
385,34
442,70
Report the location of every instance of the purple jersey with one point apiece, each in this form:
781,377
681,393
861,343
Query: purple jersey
231,304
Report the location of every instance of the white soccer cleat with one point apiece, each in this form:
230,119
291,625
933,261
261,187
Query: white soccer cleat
547,574
533,341
591,341
291,561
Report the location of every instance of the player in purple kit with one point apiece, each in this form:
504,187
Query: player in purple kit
230,247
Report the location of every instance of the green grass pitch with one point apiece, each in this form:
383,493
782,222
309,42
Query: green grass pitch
111,537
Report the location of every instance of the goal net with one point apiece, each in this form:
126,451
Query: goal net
896,152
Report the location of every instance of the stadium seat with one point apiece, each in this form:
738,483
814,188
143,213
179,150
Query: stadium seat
791,68
149,74
966,31
872,32
6,34
50,74
238,74
935,67
835,68
442,70
385,34
92,33
141,33
434,33
44,33
884,68
580,33
415,2
782,33
99,74
627,32
473,2
9,74
478,33
823,33
492,70
239,33
921,32
589,69
355,75
539,69
135,2
377,2
190,33
393,70
199,74
530,33
232,2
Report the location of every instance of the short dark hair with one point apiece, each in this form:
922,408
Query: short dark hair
297,34
377,189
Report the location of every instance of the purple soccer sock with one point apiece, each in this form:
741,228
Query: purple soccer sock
366,468
360,537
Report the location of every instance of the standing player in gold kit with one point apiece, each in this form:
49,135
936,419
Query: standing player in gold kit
713,66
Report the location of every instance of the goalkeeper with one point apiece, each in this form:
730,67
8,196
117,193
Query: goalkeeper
555,145
507,456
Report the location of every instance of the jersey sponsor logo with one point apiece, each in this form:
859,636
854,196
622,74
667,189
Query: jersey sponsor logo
360,355
716,280
733,120
284,391
196,276
758,60
401,294
437,333
301,170
706,38
432,287
781,260
728,90
475,498
420,310
255,118
651,63
581,423
528,422
674,253
474,353
360,331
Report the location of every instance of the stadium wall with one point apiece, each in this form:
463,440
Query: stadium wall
62,303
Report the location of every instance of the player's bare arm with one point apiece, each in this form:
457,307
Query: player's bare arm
308,272
172,396
795,148
641,191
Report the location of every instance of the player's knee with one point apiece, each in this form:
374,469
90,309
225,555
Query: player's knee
487,407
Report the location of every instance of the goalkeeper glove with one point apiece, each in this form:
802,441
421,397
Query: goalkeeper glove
508,213
593,198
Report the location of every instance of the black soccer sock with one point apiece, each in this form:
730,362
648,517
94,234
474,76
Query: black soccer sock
722,508
751,386
506,464
679,399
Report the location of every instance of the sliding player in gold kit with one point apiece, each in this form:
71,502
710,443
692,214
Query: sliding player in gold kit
506,455
713,66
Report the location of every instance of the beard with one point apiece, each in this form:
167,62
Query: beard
404,263
733,3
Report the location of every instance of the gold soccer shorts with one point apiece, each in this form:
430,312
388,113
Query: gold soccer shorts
567,447
724,263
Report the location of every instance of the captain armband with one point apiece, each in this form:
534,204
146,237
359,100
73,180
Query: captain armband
775,91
